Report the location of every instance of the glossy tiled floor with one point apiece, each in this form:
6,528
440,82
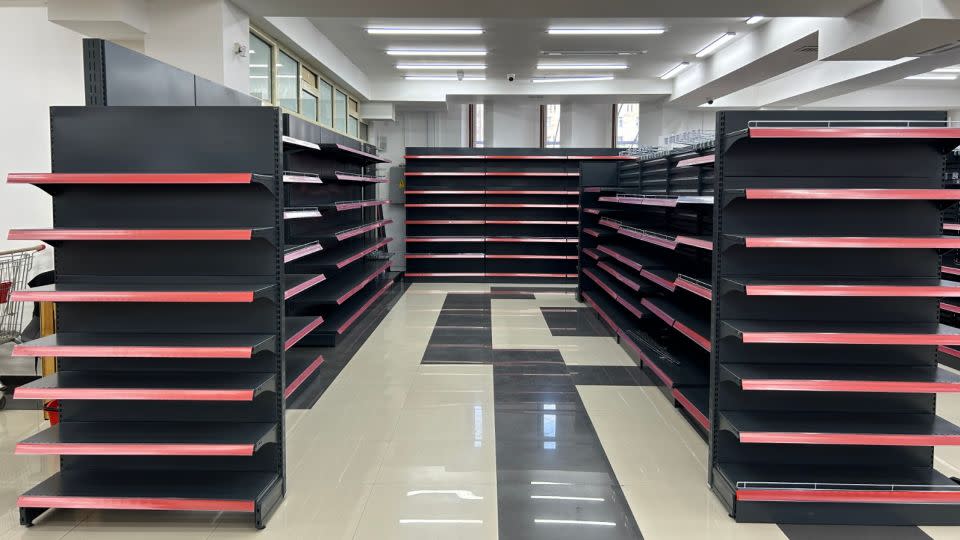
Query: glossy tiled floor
471,412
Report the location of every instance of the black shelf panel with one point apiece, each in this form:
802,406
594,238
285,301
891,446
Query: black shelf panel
147,292
695,401
344,285
617,318
345,255
630,257
233,491
64,234
855,333
160,439
76,344
675,365
834,378
157,386
617,292
294,284
301,364
816,428
341,320
694,326
297,328
844,242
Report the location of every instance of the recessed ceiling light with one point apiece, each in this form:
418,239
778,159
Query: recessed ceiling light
933,77
674,70
579,67
432,52
444,78
442,66
572,79
424,31
954,69
603,31
755,19
592,53
716,44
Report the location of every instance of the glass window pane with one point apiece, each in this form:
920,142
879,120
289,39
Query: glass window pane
354,107
326,102
288,73
478,125
364,132
308,105
308,76
261,55
551,126
353,127
628,125
340,111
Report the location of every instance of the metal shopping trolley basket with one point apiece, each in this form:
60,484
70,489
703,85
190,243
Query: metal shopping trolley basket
15,267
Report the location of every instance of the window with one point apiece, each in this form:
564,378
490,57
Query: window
308,77
308,105
353,126
261,56
626,125
326,103
550,126
364,132
340,111
288,75
475,125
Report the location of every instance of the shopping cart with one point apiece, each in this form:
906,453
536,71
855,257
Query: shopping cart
15,267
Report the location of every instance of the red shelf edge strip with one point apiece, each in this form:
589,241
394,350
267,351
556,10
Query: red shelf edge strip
854,194
135,503
843,496
905,387
366,305
852,290
124,178
124,394
301,253
691,409
129,234
133,296
133,449
850,338
81,351
379,270
294,339
293,385
856,439
293,291
364,253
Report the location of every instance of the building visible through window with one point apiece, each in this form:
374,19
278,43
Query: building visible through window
627,125
551,125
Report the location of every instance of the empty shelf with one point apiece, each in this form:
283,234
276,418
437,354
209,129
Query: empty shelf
295,284
873,429
86,345
880,132
530,239
217,386
627,280
632,258
850,194
445,173
444,205
695,400
524,205
232,491
443,192
833,378
342,319
365,228
675,367
890,287
349,177
847,242
55,235
832,484
343,206
160,439
136,178
446,222
293,253
340,258
879,333
301,178
444,256
444,239
592,253
490,274
339,289
616,292
610,312
669,201
301,364
301,213
527,222
696,286
951,270
697,161
347,153
145,292
298,328
695,327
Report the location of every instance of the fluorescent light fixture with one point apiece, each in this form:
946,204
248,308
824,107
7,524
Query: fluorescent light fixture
430,52
953,69
444,78
443,66
604,31
424,31
933,77
464,494
562,498
582,67
572,79
716,44
755,19
575,522
674,70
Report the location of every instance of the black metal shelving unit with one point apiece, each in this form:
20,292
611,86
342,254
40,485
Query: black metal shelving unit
169,233
826,320
335,247
497,213
646,244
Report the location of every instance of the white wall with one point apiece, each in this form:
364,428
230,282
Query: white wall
511,124
43,65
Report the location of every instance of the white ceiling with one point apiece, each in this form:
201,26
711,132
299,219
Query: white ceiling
515,45
556,8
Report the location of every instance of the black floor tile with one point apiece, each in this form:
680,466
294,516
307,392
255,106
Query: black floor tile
610,375
553,461
573,322
549,423
564,512
456,354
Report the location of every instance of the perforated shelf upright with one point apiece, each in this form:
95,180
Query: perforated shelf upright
167,223
826,318
497,214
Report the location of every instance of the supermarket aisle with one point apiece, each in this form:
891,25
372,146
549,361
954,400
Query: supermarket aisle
471,412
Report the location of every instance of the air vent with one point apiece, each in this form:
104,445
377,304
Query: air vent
808,49
940,49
